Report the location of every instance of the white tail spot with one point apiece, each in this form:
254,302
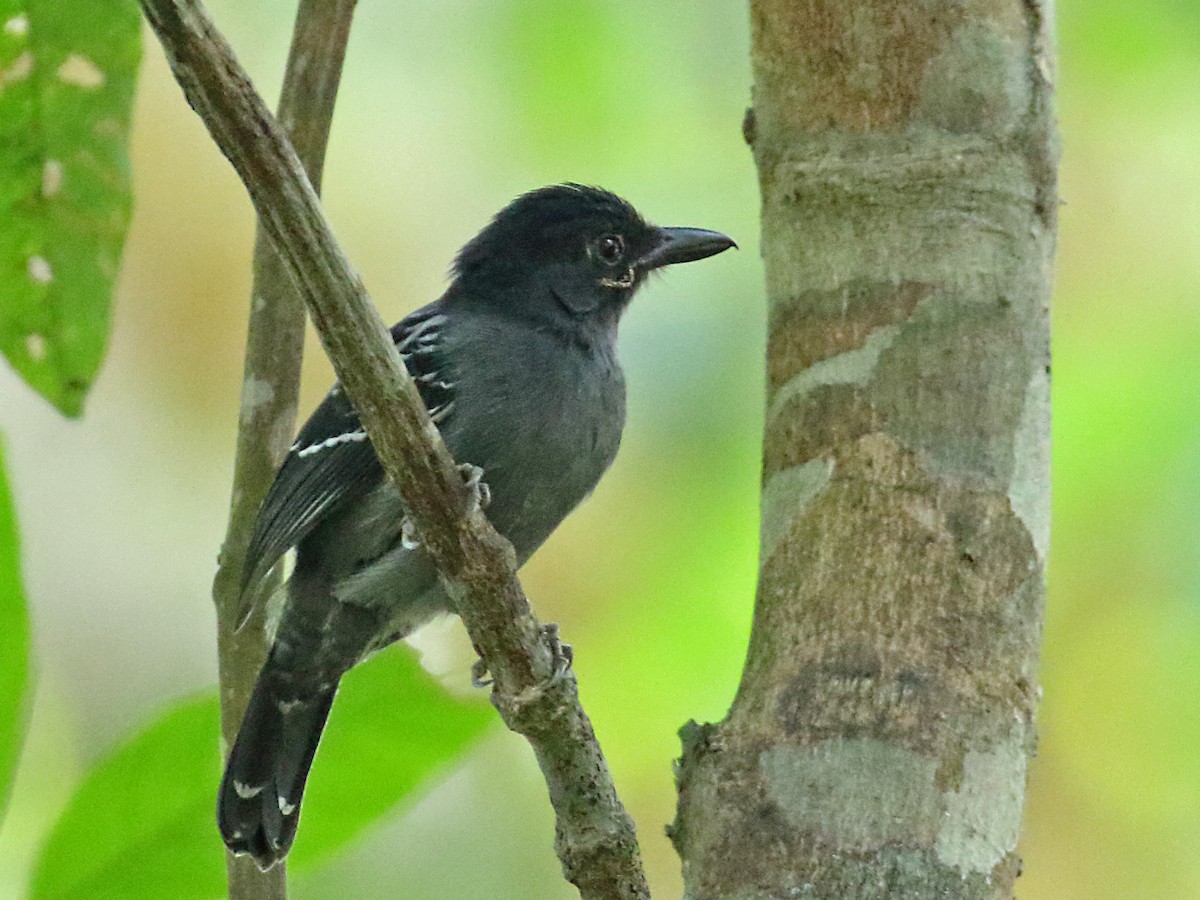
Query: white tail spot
81,72
247,791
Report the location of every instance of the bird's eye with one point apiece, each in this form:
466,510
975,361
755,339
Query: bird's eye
611,248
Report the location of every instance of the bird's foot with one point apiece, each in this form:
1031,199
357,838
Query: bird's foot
563,653
479,674
408,535
481,494
480,498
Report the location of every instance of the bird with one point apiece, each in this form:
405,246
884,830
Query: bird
516,364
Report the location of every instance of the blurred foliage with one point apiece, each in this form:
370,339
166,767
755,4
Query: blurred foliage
14,643
141,823
446,112
67,75
1112,803
394,727
123,830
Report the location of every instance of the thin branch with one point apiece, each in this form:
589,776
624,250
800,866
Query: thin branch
270,384
596,840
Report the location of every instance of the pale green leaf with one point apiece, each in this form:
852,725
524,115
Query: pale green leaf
67,70
142,824
392,727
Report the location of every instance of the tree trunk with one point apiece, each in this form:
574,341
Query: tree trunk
879,741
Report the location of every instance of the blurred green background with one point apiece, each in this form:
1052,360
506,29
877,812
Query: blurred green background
448,110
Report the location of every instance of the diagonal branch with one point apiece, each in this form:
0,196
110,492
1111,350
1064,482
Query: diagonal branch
270,383
596,840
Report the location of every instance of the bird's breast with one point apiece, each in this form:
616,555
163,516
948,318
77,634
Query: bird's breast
544,427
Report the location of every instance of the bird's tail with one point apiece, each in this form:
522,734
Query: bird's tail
258,805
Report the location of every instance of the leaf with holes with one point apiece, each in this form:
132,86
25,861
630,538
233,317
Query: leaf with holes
67,71
14,644
143,824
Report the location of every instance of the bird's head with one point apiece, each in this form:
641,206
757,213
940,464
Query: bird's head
573,250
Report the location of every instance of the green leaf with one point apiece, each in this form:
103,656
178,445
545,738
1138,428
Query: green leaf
142,823
14,644
67,71
392,727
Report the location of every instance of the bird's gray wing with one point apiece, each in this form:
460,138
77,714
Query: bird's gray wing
332,461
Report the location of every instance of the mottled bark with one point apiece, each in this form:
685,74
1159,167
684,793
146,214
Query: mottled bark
880,738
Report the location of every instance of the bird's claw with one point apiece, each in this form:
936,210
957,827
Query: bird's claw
481,494
479,674
563,653
408,535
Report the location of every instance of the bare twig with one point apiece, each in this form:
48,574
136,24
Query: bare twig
270,384
595,836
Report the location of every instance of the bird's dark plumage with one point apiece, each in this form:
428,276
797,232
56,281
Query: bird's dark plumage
516,363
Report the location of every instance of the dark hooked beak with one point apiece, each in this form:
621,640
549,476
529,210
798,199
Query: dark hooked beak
680,245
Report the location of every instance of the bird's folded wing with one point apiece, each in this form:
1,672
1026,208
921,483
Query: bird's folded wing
332,460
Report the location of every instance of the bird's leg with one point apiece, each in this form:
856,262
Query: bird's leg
481,494
563,653
479,672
